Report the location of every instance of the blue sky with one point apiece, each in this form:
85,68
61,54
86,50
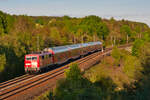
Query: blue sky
136,10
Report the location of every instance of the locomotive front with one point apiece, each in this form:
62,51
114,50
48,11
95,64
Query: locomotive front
31,63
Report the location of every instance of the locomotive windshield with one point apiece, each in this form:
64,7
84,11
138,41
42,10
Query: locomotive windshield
34,58
29,58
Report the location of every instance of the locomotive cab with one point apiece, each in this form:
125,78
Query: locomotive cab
31,63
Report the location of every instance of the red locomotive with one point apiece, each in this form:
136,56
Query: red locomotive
57,55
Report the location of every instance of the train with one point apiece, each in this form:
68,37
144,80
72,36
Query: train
36,62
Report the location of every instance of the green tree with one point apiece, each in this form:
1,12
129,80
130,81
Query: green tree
132,67
3,23
2,62
93,24
146,36
39,21
73,73
126,31
75,87
55,33
117,55
136,47
144,55
103,31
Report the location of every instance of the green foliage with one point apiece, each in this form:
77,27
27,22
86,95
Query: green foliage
146,36
142,89
132,67
125,32
96,73
3,23
125,29
136,47
55,33
144,56
140,43
73,73
86,92
6,23
39,21
2,62
103,31
117,55
75,87
94,24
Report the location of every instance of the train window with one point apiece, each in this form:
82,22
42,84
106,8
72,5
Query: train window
34,58
28,58
42,57
50,55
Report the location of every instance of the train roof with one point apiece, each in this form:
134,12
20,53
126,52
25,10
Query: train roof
68,47
39,53
74,46
59,49
62,48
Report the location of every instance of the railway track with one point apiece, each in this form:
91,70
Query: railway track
15,86
15,80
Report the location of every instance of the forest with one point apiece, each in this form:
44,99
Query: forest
22,34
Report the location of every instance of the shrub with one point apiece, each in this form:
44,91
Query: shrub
132,67
136,47
73,73
144,56
116,54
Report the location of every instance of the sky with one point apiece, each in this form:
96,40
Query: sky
135,10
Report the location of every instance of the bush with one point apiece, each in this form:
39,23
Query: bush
116,54
144,56
132,67
73,73
136,47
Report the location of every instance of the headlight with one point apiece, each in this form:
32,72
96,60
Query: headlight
28,64
34,64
